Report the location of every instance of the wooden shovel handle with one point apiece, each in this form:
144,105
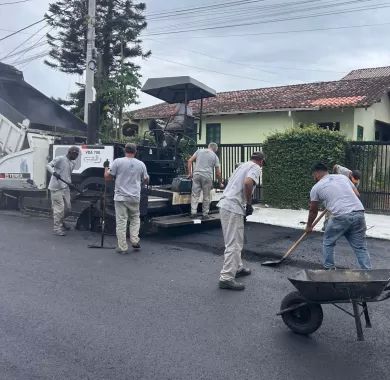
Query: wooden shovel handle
295,245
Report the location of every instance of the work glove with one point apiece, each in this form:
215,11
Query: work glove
106,164
56,175
248,210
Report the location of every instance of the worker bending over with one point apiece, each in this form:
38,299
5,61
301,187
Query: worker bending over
339,196
202,177
61,169
353,175
235,205
130,175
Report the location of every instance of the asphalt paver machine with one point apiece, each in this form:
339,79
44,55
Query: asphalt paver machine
168,143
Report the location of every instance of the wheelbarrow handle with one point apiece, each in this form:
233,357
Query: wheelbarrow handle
295,245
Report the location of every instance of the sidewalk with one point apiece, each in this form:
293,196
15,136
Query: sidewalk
378,226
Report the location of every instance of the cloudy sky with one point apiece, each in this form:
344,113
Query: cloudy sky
228,45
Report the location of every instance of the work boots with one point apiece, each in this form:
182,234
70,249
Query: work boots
231,285
59,233
243,272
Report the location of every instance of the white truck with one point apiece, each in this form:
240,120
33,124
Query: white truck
25,152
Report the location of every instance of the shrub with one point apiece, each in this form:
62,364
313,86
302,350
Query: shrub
290,154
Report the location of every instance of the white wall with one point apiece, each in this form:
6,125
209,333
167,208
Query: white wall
366,117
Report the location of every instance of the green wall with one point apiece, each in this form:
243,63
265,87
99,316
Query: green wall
248,128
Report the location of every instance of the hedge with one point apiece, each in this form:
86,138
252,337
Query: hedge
290,154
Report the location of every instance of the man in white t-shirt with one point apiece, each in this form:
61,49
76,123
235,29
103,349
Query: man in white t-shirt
339,196
130,175
353,175
206,160
235,205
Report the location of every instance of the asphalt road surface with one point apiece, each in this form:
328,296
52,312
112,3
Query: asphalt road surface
69,312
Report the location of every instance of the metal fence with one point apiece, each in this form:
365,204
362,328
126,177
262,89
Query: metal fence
373,160
232,154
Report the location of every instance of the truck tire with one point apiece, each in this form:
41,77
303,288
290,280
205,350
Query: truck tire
304,320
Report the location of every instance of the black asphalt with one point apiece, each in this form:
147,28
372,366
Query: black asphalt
69,312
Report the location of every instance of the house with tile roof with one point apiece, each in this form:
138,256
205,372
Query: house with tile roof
358,105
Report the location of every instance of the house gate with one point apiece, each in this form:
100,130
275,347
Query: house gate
373,160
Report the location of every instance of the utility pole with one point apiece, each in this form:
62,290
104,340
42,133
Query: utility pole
91,59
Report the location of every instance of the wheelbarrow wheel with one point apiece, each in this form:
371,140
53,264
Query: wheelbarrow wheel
303,320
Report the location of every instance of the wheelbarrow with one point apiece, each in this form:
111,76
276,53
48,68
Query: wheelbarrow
301,310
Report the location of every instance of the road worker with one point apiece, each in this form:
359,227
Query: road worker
61,169
130,175
206,160
339,196
353,175
235,205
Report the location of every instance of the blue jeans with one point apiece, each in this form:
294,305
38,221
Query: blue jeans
353,227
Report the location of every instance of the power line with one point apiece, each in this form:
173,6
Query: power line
227,23
240,10
31,58
38,43
15,2
209,70
279,9
25,50
28,26
22,43
13,30
205,7
21,30
267,21
242,64
280,31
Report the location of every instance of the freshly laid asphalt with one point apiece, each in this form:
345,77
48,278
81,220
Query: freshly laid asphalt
70,312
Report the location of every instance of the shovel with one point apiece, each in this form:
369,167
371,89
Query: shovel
295,245
103,222
70,185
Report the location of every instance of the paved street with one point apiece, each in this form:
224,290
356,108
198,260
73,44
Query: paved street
69,312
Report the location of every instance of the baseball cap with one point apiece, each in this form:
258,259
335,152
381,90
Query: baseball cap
258,156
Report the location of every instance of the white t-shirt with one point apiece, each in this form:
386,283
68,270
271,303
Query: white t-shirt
336,192
129,174
206,161
64,167
233,198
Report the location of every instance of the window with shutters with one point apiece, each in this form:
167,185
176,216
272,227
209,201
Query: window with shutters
213,133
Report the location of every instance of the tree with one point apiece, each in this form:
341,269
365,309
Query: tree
118,27
117,91
75,103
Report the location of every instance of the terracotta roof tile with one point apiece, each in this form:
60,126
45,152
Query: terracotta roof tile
341,101
336,94
373,72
